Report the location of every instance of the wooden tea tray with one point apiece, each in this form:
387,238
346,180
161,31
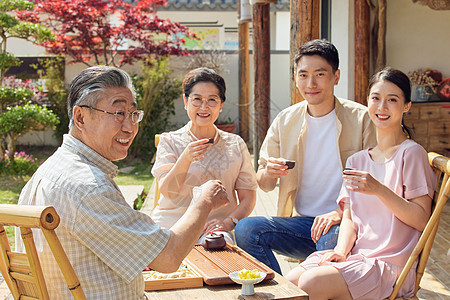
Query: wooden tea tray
215,265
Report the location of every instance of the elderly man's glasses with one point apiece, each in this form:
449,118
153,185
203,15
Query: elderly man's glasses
197,102
121,116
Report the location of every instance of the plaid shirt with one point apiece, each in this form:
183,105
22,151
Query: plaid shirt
107,242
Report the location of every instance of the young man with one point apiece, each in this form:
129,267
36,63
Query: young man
319,134
107,242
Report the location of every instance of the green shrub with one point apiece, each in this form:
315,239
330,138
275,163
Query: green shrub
23,119
10,95
52,71
21,164
18,120
156,92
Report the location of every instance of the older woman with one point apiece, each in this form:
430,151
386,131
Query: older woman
197,152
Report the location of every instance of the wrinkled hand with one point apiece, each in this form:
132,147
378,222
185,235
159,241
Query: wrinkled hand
323,223
362,182
331,256
195,150
219,225
276,167
213,194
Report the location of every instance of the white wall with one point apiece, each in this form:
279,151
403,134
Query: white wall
342,37
21,47
282,30
417,37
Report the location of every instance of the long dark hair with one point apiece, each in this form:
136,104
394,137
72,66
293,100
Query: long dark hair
401,80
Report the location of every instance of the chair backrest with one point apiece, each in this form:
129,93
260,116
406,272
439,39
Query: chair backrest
22,271
441,166
155,183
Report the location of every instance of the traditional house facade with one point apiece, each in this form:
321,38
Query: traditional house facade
416,38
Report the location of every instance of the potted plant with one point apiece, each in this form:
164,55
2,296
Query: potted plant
424,84
227,125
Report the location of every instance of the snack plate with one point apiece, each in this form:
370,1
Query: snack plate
174,283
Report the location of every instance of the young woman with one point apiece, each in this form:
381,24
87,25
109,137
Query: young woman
386,202
198,152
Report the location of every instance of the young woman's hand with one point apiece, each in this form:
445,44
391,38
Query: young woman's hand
331,256
195,150
362,182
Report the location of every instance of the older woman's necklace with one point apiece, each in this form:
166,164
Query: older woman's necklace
196,138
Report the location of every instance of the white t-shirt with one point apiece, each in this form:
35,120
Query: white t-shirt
322,173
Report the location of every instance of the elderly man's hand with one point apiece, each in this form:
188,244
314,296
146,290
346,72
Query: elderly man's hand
213,194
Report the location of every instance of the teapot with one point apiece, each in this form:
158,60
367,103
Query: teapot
214,241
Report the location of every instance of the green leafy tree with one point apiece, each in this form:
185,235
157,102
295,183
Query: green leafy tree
12,27
51,70
156,92
16,116
18,120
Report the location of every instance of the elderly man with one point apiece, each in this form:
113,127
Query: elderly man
107,242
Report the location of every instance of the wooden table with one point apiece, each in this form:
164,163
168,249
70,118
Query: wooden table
277,288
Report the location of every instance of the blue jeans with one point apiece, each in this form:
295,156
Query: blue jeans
290,236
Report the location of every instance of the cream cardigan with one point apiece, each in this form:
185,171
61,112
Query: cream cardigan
286,139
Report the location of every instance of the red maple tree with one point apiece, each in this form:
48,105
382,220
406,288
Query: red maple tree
108,32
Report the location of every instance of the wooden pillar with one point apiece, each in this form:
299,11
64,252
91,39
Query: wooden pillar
380,61
261,52
305,25
362,50
244,73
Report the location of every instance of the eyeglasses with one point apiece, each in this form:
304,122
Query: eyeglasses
121,116
198,102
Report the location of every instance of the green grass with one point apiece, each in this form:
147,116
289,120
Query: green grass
140,175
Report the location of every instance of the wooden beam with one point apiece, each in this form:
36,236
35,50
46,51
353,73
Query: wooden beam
305,25
261,52
380,62
362,50
244,81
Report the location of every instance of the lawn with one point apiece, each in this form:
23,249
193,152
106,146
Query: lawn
138,173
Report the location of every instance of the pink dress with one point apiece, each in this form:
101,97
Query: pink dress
383,243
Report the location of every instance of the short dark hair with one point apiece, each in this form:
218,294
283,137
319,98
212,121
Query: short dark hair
323,48
203,75
87,86
400,79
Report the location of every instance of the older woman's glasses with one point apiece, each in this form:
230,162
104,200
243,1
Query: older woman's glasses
197,102
121,116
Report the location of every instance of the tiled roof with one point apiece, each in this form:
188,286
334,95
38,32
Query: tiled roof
214,5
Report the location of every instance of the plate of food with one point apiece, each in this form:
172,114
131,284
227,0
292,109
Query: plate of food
184,277
248,279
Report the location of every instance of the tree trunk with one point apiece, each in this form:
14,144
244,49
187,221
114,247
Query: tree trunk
11,140
261,46
379,36
244,82
305,24
362,50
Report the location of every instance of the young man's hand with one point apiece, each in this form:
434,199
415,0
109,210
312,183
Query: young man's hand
276,167
323,223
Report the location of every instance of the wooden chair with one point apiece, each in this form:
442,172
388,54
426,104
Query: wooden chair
22,271
441,165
